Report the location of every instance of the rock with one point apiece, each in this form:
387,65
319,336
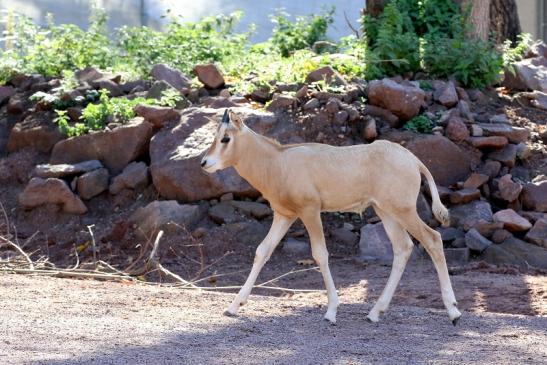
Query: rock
534,196
295,247
157,89
512,221
17,103
37,130
509,190
369,131
513,134
449,234
92,183
311,104
538,99
344,236
209,75
456,256
499,118
114,148
424,210
165,215
223,213
248,233
445,93
176,153
88,74
157,115
490,168
43,191
456,130
302,92
516,252
5,93
341,117
500,235
135,175
465,196
487,229
227,197
494,142
538,233
374,244
65,170
476,131
475,181
173,77
332,106
328,74
467,215
376,112
523,151
475,241
465,110
506,156
114,90
447,162
404,101
256,210
530,74
282,102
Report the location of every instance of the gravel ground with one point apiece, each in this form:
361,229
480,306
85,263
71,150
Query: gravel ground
60,321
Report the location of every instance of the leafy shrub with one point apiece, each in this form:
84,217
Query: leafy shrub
420,124
290,36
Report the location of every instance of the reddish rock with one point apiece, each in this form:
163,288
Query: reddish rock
446,161
55,191
5,93
135,175
66,170
369,131
475,181
465,196
467,215
176,153
209,75
445,93
341,117
490,168
512,221
88,74
456,130
313,103
157,115
391,119
486,228
494,142
513,134
172,76
529,74
500,235
113,88
114,148
509,189
92,183
404,101
37,130
538,233
282,102
534,196
328,74
506,156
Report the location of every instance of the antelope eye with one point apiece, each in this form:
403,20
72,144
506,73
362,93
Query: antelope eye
225,139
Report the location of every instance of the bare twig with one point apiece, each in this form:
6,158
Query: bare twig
18,249
351,26
94,246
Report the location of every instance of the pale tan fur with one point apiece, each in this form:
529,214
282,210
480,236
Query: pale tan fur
303,180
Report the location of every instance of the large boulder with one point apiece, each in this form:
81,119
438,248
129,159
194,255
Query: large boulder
516,252
469,215
404,101
165,215
66,170
534,196
209,75
538,233
176,153
115,148
173,77
36,130
445,160
512,221
529,74
43,191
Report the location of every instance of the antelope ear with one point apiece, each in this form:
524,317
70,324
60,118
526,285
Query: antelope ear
225,117
235,119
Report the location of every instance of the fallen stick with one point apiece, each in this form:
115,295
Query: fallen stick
18,249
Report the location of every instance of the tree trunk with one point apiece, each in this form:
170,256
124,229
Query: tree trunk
480,17
375,7
504,20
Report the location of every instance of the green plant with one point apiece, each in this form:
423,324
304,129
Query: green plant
420,124
290,36
170,98
514,54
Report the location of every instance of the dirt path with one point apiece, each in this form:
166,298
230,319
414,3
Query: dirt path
60,321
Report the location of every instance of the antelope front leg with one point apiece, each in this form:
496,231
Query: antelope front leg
279,227
313,224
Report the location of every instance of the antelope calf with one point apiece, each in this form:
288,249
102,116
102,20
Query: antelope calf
303,180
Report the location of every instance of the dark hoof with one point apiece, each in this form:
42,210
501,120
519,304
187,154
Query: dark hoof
455,321
229,314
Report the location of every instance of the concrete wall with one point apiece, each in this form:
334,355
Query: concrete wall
529,16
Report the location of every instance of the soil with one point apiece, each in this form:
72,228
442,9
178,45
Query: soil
63,321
